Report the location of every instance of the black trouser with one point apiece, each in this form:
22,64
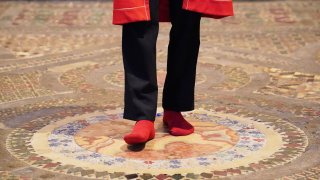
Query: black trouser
139,60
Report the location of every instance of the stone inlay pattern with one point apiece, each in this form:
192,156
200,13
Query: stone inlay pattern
22,86
8,175
311,173
76,78
292,84
224,144
269,43
37,45
61,59
233,77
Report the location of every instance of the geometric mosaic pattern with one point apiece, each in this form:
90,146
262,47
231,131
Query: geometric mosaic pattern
282,44
38,45
75,78
312,173
292,84
222,145
29,87
257,95
235,77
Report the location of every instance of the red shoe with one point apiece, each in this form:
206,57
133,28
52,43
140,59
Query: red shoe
142,132
178,126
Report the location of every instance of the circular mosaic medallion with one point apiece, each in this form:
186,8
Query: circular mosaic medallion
92,145
224,77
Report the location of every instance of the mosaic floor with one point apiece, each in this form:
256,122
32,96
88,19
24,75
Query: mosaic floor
257,99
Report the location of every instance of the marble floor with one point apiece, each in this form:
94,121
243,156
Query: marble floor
257,96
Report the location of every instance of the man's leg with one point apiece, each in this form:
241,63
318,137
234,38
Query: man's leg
141,88
139,60
178,92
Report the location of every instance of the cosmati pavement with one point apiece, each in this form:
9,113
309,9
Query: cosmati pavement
256,116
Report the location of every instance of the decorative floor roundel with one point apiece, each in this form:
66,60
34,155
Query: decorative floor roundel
92,145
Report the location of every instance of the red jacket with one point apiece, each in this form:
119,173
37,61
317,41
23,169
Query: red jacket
126,11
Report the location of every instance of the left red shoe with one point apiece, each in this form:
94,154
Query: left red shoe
178,126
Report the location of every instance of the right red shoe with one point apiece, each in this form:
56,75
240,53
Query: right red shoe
142,132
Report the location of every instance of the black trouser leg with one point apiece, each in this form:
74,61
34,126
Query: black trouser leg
139,60
178,92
